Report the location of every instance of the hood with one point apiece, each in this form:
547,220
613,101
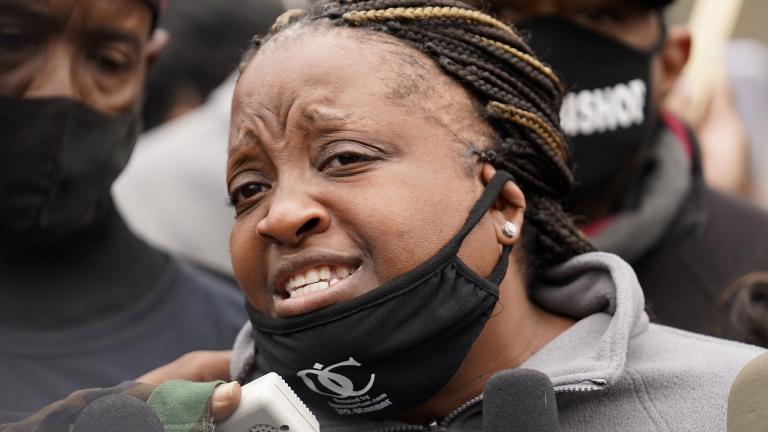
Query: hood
601,292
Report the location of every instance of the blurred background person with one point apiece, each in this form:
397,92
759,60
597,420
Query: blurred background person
172,192
85,303
747,61
641,191
723,93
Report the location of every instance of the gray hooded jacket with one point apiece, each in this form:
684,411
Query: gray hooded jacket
612,370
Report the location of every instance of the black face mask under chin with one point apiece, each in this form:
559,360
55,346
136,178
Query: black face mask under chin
607,113
394,347
58,160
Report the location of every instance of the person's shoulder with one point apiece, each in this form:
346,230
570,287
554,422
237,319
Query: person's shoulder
701,367
673,349
684,377
194,282
207,305
736,209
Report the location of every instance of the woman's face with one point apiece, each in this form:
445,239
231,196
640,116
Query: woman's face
349,165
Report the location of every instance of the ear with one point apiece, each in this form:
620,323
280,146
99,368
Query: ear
672,57
509,207
157,42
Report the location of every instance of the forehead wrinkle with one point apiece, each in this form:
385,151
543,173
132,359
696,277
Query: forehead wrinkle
245,138
249,131
321,116
411,82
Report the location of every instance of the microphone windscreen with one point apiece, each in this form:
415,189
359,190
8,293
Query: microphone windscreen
748,399
118,413
519,400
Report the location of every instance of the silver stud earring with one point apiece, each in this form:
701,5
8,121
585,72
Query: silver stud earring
509,229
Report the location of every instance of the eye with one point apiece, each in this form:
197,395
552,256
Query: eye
344,159
111,61
247,192
14,39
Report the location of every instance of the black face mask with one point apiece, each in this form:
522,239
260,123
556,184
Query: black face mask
58,160
607,114
394,347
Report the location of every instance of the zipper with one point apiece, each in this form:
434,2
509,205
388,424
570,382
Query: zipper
586,386
442,426
458,411
434,426
404,428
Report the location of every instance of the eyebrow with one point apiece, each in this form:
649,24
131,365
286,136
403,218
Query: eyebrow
319,115
247,139
314,116
22,9
112,35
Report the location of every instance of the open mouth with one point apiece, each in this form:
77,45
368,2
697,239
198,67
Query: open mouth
316,279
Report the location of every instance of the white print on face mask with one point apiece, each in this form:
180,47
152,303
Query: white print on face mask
337,383
346,400
601,110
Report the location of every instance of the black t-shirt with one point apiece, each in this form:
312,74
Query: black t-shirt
188,310
99,309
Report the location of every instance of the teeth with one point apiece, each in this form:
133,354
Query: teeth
313,276
315,279
309,289
325,273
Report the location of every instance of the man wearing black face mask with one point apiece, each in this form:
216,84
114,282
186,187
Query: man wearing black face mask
85,303
641,188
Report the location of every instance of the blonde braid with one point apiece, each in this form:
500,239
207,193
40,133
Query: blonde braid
422,13
532,121
539,66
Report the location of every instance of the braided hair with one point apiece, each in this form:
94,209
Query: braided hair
520,97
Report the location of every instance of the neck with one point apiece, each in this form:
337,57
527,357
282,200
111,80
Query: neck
88,277
516,331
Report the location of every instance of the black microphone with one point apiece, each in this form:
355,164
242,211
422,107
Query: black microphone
519,400
748,399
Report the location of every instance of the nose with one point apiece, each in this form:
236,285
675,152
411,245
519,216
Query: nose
292,217
55,78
